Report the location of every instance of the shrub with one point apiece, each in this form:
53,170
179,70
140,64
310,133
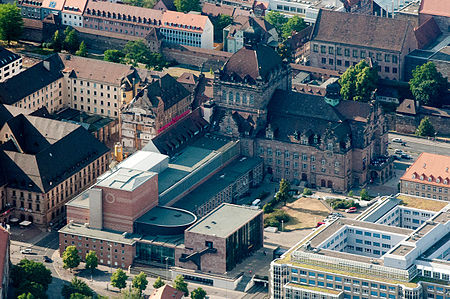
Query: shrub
350,194
281,215
364,195
268,208
307,191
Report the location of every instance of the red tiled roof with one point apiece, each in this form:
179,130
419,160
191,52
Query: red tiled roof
427,33
435,7
166,292
4,243
74,6
429,169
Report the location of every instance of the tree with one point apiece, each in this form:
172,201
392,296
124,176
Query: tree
91,260
181,285
57,41
364,195
71,42
187,5
11,22
158,283
425,128
35,289
220,22
82,50
70,258
76,286
26,296
284,51
114,56
283,192
428,86
79,296
277,20
140,282
130,294
119,279
198,293
138,52
28,271
141,3
358,82
294,23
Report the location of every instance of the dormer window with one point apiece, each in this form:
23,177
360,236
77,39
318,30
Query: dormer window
438,180
421,177
414,176
430,179
445,182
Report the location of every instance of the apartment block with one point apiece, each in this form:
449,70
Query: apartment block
10,64
429,176
340,40
379,255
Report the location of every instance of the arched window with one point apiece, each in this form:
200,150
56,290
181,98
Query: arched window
230,97
244,99
252,100
238,98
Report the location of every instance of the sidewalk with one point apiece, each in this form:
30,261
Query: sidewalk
101,281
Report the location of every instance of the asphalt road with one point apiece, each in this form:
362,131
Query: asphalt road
45,246
415,146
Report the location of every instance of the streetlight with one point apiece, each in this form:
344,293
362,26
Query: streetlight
167,267
110,257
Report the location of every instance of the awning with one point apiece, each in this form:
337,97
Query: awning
25,223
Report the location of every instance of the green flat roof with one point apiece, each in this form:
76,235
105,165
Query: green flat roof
167,216
224,220
315,289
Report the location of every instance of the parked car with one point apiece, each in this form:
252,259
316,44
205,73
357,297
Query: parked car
398,151
398,140
406,156
396,157
320,223
336,214
351,210
26,251
47,259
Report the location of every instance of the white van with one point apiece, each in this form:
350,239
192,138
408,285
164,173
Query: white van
256,202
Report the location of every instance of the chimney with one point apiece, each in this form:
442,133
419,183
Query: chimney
47,65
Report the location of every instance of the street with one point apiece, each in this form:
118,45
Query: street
415,146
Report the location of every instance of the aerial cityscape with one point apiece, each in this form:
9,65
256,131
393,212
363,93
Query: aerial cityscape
254,149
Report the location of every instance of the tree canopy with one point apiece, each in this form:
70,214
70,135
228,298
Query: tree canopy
198,293
82,50
277,20
70,258
114,56
141,3
138,52
425,128
187,5
140,282
76,286
158,283
57,41
180,284
119,279
295,23
72,41
31,277
91,260
220,22
428,86
358,82
283,192
11,22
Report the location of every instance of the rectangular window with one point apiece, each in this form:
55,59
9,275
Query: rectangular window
315,48
338,51
347,52
323,49
355,53
330,50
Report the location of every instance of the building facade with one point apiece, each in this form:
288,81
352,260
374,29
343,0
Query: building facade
383,40
429,176
10,64
322,141
4,262
72,13
178,28
46,169
377,256
157,106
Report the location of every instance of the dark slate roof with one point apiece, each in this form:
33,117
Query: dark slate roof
408,106
45,152
6,57
165,89
292,112
353,110
361,30
30,80
252,63
181,133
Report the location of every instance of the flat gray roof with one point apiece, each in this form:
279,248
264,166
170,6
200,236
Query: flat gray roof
224,220
126,179
167,216
217,183
106,235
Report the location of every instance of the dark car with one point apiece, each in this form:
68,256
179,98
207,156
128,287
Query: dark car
406,156
47,259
